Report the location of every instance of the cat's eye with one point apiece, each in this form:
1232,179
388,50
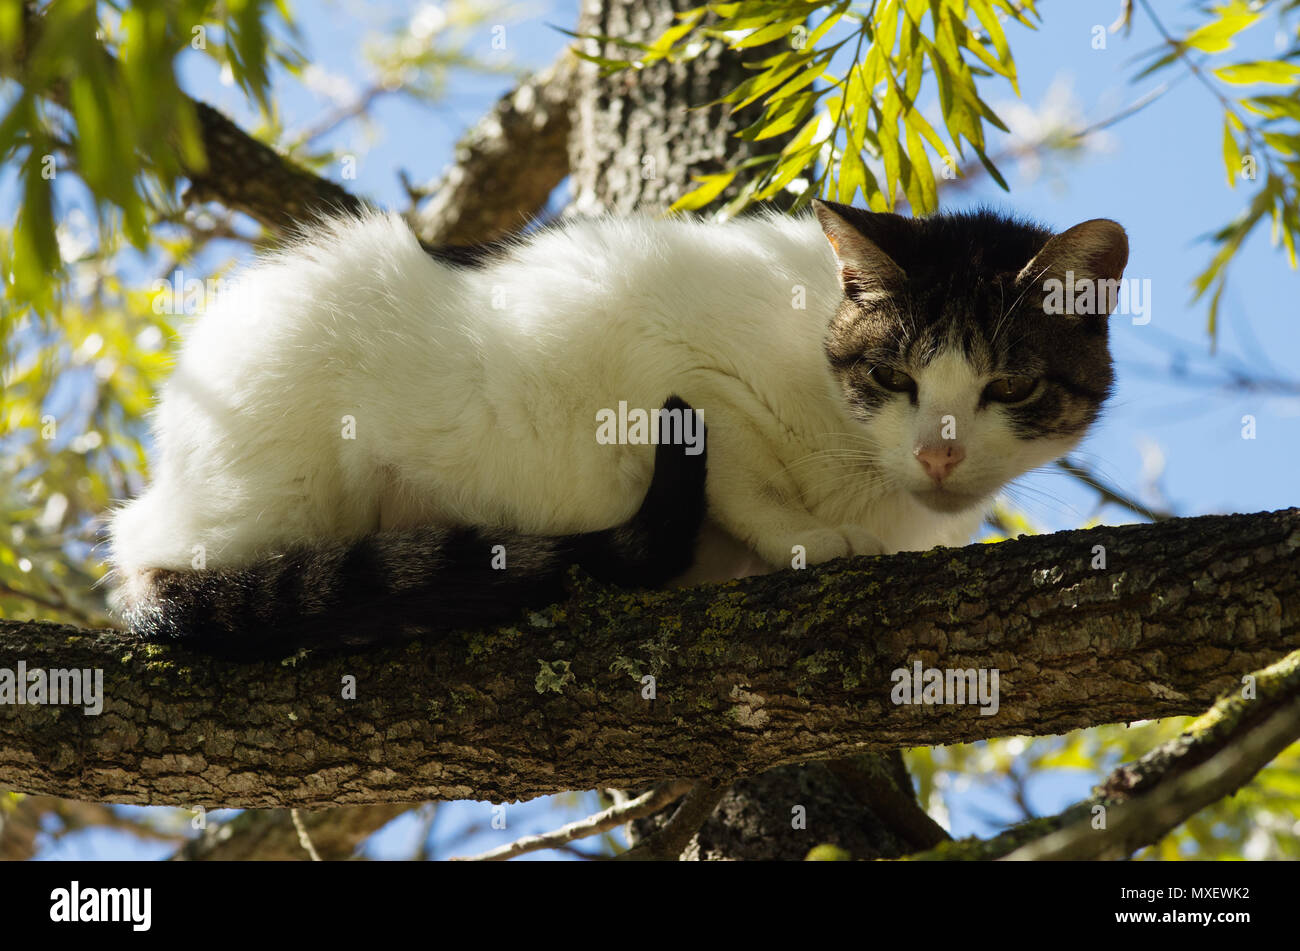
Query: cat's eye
1011,389
892,379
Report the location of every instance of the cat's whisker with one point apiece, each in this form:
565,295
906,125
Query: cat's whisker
871,485
1026,496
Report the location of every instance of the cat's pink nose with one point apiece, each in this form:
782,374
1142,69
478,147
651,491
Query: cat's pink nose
939,461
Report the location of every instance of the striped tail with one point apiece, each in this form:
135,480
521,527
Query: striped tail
394,585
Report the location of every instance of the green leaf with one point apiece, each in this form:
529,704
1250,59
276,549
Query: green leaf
766,81
788,167
810,75
926,197
1262,71
989,21
786,115
710,188
1216,36
1288,145
852,177
674,34
992,169
1159,63
608,65
768,34
1274,107
1231,154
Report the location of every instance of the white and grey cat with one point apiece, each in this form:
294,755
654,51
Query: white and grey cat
869,383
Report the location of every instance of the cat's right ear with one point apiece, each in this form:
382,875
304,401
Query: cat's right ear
865,270
1095,250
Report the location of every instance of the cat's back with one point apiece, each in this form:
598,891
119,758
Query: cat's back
328,280
344,295
646,274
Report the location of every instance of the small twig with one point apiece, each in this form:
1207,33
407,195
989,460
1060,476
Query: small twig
643,805
1131,109
668,843
1125,20
1108,492
303,837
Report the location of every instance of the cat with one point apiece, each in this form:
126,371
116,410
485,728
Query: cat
869,382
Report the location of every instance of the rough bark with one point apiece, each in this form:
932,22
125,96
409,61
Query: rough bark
640,135
749,675
862,806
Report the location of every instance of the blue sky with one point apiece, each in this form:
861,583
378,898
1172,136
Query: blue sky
1160,174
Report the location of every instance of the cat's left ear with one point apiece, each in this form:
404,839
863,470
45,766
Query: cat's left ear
1095,250
865,270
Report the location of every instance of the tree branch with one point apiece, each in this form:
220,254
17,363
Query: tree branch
246,175
1148,819
1107,492
785,668
506,165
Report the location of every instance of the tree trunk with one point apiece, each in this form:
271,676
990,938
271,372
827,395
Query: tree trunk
640,135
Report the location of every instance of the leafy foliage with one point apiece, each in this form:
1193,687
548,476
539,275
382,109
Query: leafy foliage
98,93
867,107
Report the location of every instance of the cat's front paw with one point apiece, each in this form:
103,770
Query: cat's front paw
824,544
861,541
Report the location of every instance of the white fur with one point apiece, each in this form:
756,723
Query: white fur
475,393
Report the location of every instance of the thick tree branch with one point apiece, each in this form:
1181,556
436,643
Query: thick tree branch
1148,819
249,176
507,164
749,675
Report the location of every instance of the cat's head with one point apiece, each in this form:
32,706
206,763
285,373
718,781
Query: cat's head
954,349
